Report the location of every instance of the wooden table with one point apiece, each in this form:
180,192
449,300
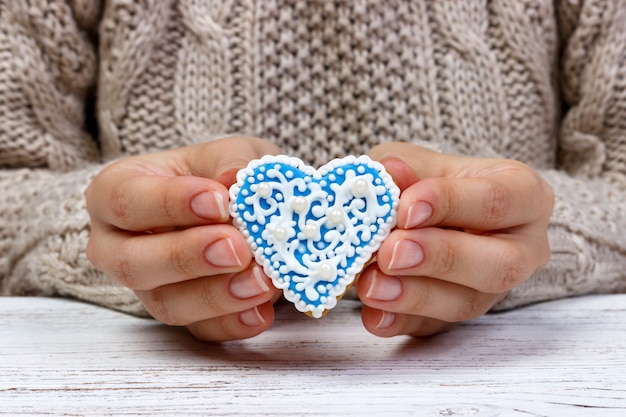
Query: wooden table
563,358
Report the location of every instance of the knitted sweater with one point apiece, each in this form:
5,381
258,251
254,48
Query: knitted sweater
83,82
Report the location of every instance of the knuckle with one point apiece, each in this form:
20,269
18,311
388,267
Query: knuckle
121,206
473,307
122,270
420,299
210,300
446,199
497,203
156,304
168,205
445,262
511,271
182,262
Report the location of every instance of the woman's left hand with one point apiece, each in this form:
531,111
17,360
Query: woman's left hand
469,231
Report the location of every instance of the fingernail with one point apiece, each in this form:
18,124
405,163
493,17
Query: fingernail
405,254
417,214
247,285
384,288
386,320
223,253
209,205
251,317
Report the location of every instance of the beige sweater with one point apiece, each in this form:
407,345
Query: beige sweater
86,81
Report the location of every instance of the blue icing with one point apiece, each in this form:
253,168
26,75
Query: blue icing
314,230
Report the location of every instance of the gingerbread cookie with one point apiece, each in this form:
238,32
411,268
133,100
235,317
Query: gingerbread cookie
314,231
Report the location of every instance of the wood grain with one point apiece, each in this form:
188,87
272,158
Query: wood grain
563,358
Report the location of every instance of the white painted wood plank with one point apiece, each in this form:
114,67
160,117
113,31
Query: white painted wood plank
561,358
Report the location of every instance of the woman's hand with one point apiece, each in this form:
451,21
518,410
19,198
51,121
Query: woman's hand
469,231
160,226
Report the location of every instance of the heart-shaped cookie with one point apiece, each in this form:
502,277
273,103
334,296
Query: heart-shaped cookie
313,231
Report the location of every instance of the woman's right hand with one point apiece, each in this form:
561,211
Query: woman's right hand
160,226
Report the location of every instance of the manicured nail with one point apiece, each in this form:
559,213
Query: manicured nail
386,320
223,253
245,285
251,317
417,214
405,254
384,288
209,205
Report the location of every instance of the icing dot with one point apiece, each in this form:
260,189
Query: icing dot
336,216
332,178
254,228
326,271
359,188
360,169
260,177
299,204
245,193
279,197
310,231
289,174
264,190
280,233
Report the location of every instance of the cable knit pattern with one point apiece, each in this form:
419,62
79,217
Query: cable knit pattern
540,81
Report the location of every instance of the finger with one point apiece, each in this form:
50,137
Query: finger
148,261
235,326
423,296
473,193
224,157
182,187
485,203
487,263
139,202
205,298
387,324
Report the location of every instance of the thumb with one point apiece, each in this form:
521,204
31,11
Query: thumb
407,163
222,158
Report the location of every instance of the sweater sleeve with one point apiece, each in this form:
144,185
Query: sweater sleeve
44,227
588,225
48,154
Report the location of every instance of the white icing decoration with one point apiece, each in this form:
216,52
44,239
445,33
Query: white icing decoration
314,230
264,189
336,215
280,233
310,231
299,204
360,187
